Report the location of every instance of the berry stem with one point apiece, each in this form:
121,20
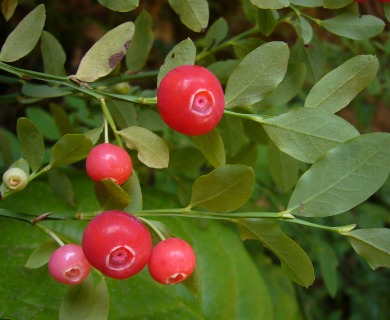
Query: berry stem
110,120
50,233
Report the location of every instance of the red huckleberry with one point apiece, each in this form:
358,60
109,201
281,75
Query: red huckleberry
109,161
117,243
172,261
68,264
190,100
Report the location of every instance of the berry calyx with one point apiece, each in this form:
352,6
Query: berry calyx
15,179
172,261
109,161
68,264
190,100
117,243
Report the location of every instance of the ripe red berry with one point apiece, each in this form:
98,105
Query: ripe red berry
108,161
68,264
172,261
190,100
117,243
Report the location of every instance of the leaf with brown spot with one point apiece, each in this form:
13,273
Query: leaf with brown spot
106,54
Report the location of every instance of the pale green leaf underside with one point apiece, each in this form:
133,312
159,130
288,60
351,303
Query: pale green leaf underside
259,73
105,54
193,13
271,4
336,89
152,150
120,5
211,145
373,245
25,36
53,54
345,177
353,26
307,134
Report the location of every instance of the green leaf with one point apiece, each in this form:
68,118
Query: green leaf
303,29
62,186
373,245
294,261
192,13
53,54
133,188
308,3
43,91
44,122
183,53
283,168
5,148
70,149
266,21
8,8
345,177
85,301
386,9
61,119
245,46
25,36
41,255
328,263
271,4
353,26
257,75
225,189
111,196
336,4
211,145
94,134
31,143
223,69
105,54
311,56
289,88
120,5
307,134
337,88
123,113
142,42
152,150
217,32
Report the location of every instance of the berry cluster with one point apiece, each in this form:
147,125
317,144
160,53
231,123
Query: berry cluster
190,100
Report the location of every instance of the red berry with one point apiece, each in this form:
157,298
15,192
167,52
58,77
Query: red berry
190,100
117,243
108,161
172,261
68,264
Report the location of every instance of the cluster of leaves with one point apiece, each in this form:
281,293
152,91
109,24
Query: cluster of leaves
275,156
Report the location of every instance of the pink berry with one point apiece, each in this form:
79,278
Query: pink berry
68,264
117,243
190,100
172,261
108,161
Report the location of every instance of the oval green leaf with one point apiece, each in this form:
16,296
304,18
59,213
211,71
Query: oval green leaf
8,8
353,26
216,33
142,42
31,143
271,4
105,54
337,88
70,149
183,53
62,186
192,13
120,5
41,255
53,54
257,75
25,36
294,261
345,177
152,150
373,245
211,145
111,196
307,134
225,189
133,188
